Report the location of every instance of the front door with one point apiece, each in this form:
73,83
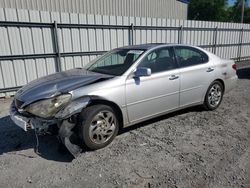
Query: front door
155,94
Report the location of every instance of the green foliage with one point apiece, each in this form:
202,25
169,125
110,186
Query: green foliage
247,16
217,10
235,12
210,10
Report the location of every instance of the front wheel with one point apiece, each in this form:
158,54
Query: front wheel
213,96
99,126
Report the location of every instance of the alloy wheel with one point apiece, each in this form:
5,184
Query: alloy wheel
215,95
102,127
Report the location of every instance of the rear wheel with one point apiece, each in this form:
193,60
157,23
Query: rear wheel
213,96
99,126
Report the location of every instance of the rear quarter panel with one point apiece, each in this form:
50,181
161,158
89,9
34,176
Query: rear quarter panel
229,74
225,72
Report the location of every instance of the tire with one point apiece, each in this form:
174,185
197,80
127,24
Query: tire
214,96
98,126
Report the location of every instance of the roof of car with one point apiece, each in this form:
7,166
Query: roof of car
153,45
143,46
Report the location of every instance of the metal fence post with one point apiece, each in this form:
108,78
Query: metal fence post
56,48
215,39
240,44
131,35
180,33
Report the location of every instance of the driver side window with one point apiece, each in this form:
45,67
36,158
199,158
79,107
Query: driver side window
159,60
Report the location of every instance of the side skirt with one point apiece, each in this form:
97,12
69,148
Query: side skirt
161,113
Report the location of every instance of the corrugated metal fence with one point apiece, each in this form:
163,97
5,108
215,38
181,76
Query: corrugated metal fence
138,8
37,43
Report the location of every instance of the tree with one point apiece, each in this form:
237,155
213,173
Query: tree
208,10
247,15
235,12
217,10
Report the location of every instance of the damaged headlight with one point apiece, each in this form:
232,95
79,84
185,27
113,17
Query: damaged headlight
48,107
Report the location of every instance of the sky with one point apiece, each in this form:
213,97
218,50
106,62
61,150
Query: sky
231,2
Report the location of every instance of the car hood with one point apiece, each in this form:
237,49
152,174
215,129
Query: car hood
56,84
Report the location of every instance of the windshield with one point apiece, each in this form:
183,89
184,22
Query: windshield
115,62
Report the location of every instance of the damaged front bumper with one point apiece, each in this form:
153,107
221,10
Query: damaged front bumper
27,123
42,125
32,122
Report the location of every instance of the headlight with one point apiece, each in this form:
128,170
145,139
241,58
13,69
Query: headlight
48,107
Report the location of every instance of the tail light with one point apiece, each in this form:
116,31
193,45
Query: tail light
234,66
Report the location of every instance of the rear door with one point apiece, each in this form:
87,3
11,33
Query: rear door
196,74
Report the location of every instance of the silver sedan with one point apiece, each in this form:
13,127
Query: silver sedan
123,87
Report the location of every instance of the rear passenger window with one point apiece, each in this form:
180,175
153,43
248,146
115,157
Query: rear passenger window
187,56
159,60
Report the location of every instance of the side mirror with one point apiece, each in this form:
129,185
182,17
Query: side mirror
142,71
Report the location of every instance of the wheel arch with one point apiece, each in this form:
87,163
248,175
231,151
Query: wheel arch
222,82
206,104
94,100
219,80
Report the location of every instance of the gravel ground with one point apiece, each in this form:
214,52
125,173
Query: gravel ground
190,148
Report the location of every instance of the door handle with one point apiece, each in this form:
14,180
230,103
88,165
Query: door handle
173,77
210,69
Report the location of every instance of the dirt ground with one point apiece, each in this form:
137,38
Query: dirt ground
190,148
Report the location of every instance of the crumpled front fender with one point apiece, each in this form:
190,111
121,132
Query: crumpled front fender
74,107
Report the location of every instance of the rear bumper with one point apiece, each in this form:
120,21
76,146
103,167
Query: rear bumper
230,83
27,123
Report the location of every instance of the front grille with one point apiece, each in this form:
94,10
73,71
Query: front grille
18,103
